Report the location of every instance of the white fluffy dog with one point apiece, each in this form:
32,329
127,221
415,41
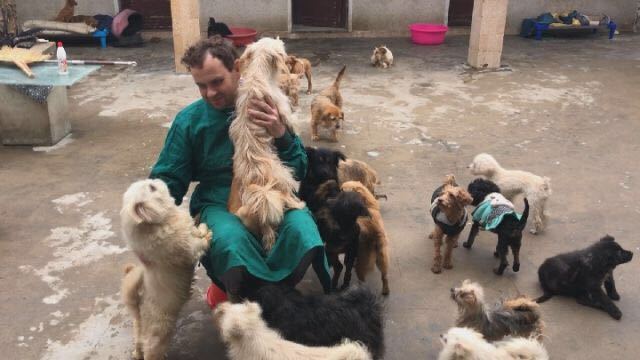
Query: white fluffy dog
382,57
248,338
513,182
263,187
467,344
168,245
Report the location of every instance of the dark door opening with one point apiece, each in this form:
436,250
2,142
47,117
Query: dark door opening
320,13
460,12
156,13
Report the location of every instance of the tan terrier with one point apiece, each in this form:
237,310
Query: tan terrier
298,65
450,217
326,109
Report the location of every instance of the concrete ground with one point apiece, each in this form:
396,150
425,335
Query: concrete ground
568,110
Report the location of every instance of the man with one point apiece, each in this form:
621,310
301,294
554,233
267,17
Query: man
198,148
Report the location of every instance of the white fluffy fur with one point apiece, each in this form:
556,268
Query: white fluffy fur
468,344
168,244
536,189
255,161
382,57
248,338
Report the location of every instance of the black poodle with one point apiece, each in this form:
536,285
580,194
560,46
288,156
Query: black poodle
324,320
500,219
581,273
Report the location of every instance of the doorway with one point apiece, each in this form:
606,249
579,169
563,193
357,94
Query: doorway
460,12
156,13
320,15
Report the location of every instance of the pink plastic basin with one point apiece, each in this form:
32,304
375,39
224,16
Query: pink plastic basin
428,34
242,36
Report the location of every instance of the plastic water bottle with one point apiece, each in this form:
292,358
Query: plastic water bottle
61,55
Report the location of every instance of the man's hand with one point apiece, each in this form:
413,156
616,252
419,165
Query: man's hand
264,113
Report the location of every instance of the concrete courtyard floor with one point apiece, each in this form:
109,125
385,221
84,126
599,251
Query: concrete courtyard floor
569,109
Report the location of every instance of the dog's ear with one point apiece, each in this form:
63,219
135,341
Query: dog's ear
464,197
608,238
337,156
146,212
254,309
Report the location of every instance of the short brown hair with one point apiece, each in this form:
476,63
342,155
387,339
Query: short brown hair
216,46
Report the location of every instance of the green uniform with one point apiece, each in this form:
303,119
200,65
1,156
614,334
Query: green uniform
198,148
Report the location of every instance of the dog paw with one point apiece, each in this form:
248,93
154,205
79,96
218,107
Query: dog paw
455,244
533,231
516,267
447,266
315,138
499,270
436,269
385,291
308,92
137,355
466,245
614,296
616,314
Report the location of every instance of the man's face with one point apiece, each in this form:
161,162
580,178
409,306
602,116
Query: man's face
218,86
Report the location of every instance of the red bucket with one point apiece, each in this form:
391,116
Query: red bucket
428,34
242,36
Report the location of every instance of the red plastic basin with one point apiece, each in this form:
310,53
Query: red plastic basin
242,36
428,34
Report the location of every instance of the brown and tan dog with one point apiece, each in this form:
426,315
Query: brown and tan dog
298,65
373,245
450,217
326,109
66,14
290,85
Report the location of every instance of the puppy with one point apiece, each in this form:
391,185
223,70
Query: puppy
337,221
290,85
248,338
66,13
263,188
373,243
497,215
324,320
461,343
517,317
168,245
581,273
449,214
326,164
536,189
326,109
298,65
382,57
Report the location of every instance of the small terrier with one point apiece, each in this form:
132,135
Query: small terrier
467,344
382,57
247,337
290,85
298,65
517,317
326,109
66,13
168,245
450,217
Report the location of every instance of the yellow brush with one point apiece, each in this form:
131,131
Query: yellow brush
22,57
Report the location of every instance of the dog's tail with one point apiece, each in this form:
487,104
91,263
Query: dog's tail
523,348
450,179
339,78
526,310
543,298
525,215
264,202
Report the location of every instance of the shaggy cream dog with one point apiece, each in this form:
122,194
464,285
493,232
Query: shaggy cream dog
513,182
263,187
248,338
168,245
467,344
382,57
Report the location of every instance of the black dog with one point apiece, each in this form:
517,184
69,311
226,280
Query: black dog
322,166
324,320
509,228
216,28
337,223
580,274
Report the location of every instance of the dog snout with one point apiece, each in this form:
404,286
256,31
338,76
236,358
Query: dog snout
627,256
337,125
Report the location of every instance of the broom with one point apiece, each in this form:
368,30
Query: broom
22,58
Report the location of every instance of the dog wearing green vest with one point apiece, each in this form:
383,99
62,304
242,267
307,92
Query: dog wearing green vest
495,213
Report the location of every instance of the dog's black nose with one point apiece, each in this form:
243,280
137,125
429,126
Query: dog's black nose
337,126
